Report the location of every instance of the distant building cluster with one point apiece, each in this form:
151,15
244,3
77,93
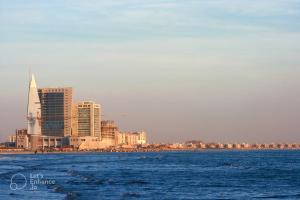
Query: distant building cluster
55,121
240,146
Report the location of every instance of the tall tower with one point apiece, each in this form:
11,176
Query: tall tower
56,106
33,109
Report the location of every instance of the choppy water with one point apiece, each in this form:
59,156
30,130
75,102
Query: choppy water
163,175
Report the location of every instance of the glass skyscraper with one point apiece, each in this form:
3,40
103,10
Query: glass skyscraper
56,106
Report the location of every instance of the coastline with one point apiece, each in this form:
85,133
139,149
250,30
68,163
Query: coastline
25,152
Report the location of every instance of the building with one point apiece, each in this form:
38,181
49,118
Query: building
280,146
202,145
142,139
272,146
264,146
176,146
56,104
236,146
33,114
12,138
245,146
109,131
86,143
228,146
33,109
288,146
131,138
86,119
211,145
121,138
22,139
48,142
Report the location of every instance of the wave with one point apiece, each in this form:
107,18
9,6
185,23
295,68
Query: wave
138,182
131,194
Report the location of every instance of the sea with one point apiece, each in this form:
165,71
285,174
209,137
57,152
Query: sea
210,174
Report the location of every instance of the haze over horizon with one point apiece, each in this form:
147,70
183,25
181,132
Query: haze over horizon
217,71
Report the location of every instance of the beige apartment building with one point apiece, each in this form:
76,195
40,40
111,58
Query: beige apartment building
86,118
109,131
56,107
131,138
22,139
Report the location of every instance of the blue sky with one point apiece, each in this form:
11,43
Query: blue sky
214,70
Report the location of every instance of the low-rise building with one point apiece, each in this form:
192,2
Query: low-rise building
109,131
12,138
202,145
86,143
294,146
245,146
131,138
236,146
211,145
272,146
263,146
288,146
176,146
280,146
142,137
255,146
22,139
51,142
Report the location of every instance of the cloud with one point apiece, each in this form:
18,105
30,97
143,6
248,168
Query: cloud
131,19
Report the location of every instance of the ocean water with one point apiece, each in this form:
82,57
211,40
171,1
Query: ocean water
163,175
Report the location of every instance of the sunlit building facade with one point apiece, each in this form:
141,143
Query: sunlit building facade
33,109
109,132
131,138
86,119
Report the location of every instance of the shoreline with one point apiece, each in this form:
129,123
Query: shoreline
135,151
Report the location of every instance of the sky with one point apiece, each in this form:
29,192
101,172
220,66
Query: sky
217,71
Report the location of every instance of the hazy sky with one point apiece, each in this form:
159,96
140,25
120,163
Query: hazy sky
226,71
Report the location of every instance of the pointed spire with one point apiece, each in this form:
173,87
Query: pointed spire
32,82
33,109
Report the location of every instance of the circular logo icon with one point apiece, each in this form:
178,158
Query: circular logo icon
18,182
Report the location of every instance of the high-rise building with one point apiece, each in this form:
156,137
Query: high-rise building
56,106
33,115
33,109
86,119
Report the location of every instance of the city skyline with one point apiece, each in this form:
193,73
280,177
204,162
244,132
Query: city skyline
180,71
